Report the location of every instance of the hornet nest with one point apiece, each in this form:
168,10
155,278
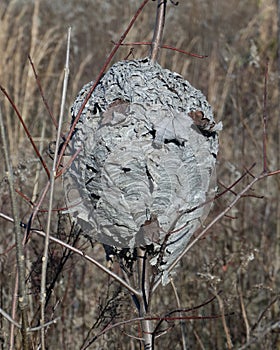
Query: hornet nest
147,145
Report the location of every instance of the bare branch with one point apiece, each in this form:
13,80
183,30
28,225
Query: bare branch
158,31
25,129
22,299
182,322
9,318
52,181
269,328
265,120
222,309
18,325
42,92
81,253
168,47
106,64
216,219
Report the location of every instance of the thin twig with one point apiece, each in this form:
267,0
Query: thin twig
42,92
227,189
168,47
52,181
167,316
45,325
158,31
81,253
198,340
144,280
37,206
216,219
22,299
137,319
269,328
14,308
25,129
243,310
38,167
277,250
265,119
182,322
266,309
68,164
9,318
106,64
226,329
18,325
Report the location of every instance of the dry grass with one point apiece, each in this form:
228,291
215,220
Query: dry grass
239,257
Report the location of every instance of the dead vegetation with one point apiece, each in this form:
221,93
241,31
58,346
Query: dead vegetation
237,262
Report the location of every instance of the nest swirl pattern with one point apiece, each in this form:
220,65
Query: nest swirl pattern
147,144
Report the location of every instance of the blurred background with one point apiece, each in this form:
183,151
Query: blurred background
239,256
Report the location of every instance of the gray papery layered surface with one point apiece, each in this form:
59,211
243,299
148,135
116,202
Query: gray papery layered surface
145,164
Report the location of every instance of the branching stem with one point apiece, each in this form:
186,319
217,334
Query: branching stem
22,299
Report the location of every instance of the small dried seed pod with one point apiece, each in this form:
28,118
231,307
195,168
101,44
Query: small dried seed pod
147,144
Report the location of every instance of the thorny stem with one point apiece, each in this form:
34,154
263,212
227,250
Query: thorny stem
158,31
22,299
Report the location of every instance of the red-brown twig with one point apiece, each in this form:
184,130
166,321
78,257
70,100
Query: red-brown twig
216,219
26,130
168,47
65,167
137,319
42,92
28,200
234,193
168,317
158,318
271,173
106,64
82,254
227,189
